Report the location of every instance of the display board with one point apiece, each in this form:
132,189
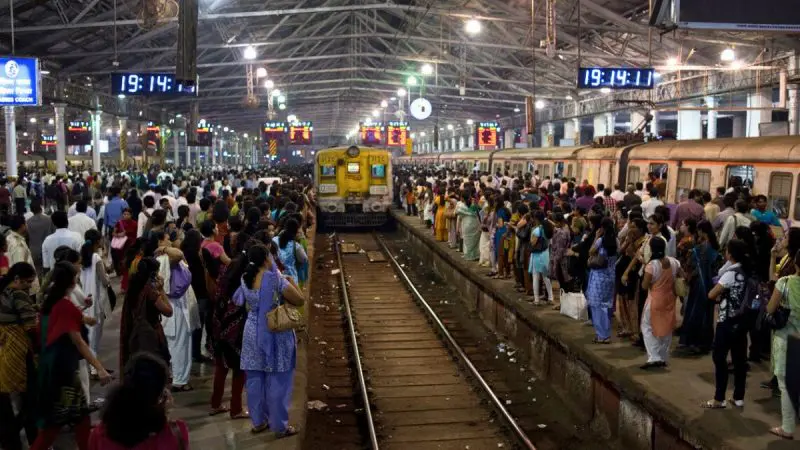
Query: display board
487,134
20,82
150,84
301,133
154,136
396,134
273,131
205,136
79,133
740,15
47,142
371,134
615,78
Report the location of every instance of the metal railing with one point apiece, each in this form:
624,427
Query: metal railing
354,342
520,434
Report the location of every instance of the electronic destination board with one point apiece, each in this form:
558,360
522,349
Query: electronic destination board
273,131
47,142
301,133
154,136
205,135
487,134
79,133
396,134
19,82
615,78
371,134
144,84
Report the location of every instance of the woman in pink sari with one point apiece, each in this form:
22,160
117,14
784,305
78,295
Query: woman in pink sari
125,228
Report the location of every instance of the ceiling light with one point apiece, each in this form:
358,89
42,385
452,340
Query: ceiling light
121,96
393,99
568,97
516,109
422,133
291,118
736,65
672,61
368,121
245,136
25,133
384,104
539,104
281,99
282,106
472,26
269,84
276,92
178,116
51,121
560,56
727,55
605,90
449,126
375,113
426,69
109,131
411,81
183,133
250,52
261,72
128,133
401,92
33,119
225,129
470,121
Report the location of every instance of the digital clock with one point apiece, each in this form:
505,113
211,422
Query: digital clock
615,78
144,84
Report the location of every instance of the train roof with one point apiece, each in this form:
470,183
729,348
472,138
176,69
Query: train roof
781,149
537,153
343,149
477,154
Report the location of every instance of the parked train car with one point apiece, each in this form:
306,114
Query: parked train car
354,186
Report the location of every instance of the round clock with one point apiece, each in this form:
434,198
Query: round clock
421,109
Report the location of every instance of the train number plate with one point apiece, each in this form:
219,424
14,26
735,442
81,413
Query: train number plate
378,190
327,188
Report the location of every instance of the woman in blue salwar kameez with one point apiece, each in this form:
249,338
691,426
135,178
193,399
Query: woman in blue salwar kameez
268,357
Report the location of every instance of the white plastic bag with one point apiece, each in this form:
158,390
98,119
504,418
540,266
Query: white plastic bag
573,304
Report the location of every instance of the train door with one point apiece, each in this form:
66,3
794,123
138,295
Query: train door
742,176
623,177
612,166
558,169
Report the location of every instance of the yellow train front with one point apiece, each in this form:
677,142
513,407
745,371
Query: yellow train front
354,186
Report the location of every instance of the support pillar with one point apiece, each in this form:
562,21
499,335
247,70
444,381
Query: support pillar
61,139
599,126
793,103
690,124
549,135
11,141
97,122
739,126
123,140
759,99
569,132
637,118
711,128
611,123
175,148
654,130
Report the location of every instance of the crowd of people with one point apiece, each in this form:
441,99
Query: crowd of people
202,258
722,263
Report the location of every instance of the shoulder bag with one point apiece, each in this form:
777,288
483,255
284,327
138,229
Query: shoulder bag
284,316
778,319
598,260
143,336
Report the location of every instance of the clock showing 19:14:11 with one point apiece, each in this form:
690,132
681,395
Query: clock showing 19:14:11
615,78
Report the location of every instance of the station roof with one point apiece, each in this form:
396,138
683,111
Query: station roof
336,60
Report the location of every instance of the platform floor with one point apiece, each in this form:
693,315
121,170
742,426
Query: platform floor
683,386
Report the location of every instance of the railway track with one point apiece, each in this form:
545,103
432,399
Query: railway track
423,391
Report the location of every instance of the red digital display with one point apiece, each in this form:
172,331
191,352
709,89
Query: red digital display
47,142
396,134
301,133
79,133
205,136
153,136
372,134
487,134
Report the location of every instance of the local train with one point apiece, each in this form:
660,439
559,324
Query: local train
768,165
354,186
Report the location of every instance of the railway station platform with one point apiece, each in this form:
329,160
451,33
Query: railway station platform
603,383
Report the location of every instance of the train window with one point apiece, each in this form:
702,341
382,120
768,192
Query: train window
378,171
741,176
634,174
531,167
780,191
569,171
558,169
328,171
660,170
483,166
353,167
684,183
545,172
702,180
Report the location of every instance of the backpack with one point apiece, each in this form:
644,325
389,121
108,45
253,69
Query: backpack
752,298
77,189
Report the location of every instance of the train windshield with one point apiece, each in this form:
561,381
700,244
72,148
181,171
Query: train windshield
353,167
328,171
378,171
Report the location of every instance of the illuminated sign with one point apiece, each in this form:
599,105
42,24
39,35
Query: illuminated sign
79,133
301,133
273,131
615,78
145,84
372,134
205,135
19,82
48,141
153,136
396,134
487,134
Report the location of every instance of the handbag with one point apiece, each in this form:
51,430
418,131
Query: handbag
598,261
680,286
283,317
541,243
573,305
112,297
118,243
143,336
778,319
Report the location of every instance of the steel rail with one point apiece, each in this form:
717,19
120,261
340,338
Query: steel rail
354,342
525,440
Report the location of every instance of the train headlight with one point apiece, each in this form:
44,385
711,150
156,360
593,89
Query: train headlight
377,207
332,208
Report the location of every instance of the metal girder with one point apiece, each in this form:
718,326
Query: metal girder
85,11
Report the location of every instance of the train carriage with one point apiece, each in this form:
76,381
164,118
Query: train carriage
354,186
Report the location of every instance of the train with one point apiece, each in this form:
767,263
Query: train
354,186
768,165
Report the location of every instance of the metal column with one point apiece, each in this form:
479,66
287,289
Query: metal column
123,140
97,122
61,139
175,142
11,142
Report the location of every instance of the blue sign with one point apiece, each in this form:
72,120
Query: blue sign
615,78
19,82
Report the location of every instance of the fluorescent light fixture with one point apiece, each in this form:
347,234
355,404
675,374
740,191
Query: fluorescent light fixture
261,72
269,84
401,92
384,104
426,69
727,55
250,52
605,90
539,104
472,26
449,126
470,121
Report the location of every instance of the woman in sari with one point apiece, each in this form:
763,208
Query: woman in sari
268,357
628,280
470,227
60,397
701,265
450,218
439,220
125,228
17,367
487,230
95,282
600,288
658,317
559,244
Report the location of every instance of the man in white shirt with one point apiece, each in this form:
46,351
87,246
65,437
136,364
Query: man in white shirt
62,236
81,222
89,211
600,191
149,206
739,219
618,195
649,206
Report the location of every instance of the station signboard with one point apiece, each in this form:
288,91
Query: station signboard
47,142
301,133
487,135
205,135
20,82
274,131
79,133
371,134
396,134
154,136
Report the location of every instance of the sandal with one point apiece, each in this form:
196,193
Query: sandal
241,415
737,403
601,341
184,388
778,431
556,307
713,404
217,411
290,431
259,429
